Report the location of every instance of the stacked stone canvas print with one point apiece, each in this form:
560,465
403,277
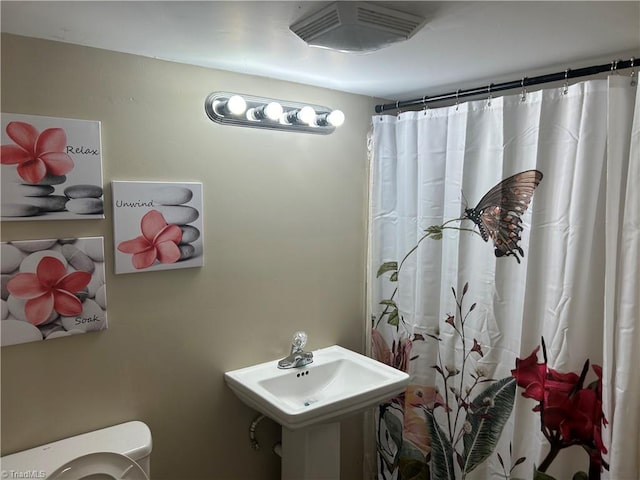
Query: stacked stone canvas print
51,168
52,288
157,225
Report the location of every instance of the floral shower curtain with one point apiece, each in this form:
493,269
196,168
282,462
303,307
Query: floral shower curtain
505,262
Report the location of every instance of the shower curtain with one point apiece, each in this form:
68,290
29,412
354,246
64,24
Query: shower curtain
505,279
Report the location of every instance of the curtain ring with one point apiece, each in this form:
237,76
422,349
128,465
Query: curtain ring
634,81
489,97
457,99
566,81
614,65
398,107
424,102
523,95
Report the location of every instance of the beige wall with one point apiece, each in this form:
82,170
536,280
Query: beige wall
284,220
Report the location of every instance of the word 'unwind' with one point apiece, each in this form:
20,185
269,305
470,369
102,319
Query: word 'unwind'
139,203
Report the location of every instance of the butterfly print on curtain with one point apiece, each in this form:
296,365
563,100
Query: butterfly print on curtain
498,212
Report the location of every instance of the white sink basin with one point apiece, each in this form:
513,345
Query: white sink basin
337,383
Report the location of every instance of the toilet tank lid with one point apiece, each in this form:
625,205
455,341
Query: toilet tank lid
132,439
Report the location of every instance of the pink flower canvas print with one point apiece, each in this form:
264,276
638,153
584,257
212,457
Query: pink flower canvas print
157,225
52,288
51,168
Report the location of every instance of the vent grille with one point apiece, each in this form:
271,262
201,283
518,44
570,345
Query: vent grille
356,26
317,24
389,20
323,21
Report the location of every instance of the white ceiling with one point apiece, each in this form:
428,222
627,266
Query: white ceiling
462,43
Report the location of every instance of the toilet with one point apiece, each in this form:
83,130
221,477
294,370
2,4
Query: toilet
121,452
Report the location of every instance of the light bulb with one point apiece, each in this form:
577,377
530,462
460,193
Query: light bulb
307,115
335,118
273,111
236,105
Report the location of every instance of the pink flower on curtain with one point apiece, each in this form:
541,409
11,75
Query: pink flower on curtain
477,348
50,288
159,241
419,398
36,154
398,356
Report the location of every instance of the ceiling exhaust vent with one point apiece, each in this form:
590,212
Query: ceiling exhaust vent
356,27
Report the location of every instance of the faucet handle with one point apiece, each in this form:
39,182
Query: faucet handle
299,341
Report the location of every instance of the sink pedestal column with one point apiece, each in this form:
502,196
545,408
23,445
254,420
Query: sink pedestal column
311,453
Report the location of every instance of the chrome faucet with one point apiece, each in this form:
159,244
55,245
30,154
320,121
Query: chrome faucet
298,357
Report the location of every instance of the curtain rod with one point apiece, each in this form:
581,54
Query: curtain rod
497,87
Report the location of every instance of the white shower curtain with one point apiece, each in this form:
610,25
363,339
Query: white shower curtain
497,346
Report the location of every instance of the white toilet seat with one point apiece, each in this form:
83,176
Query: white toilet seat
100,466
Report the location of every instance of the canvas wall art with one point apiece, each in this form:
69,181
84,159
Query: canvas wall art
52,289
51,168
157,225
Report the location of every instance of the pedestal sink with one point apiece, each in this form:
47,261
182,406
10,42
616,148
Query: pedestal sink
310,401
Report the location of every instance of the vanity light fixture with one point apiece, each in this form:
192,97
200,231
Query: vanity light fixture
243,110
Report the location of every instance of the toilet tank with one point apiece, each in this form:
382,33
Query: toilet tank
132,439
